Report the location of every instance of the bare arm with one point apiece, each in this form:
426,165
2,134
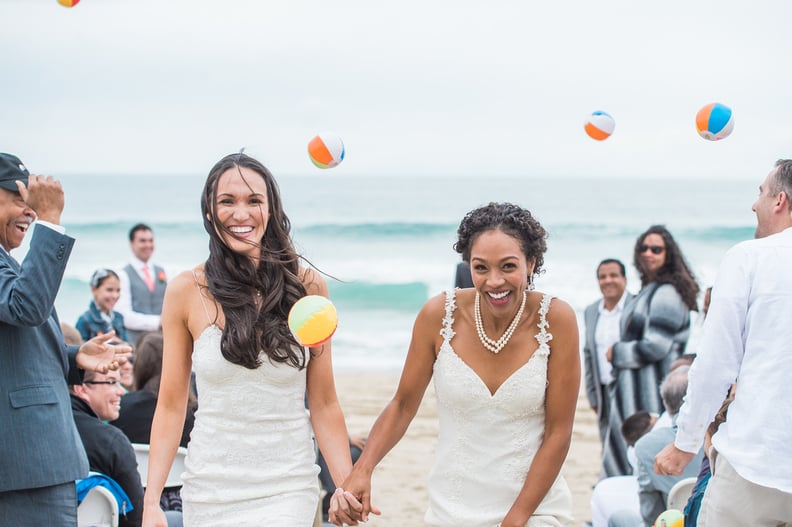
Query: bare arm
397,415
563,384
166,429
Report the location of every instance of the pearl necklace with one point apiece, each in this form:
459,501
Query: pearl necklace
495,346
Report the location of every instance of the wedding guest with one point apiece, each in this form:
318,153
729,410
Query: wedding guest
747,340
506,370
100,318
251,454
602,320
654,330
41,452
142,285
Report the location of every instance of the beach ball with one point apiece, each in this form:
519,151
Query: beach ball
599,125
68,3
313,320
326,150
670,518
715,121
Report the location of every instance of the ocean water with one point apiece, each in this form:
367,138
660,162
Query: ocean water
387,241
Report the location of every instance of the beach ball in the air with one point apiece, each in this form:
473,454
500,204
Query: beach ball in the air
670,518
326,150
599,125
715,121
313,320
68,3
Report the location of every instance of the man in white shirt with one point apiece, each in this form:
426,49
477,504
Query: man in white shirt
747,339
602,320
142,286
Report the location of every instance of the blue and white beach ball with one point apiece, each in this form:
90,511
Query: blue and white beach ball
715,121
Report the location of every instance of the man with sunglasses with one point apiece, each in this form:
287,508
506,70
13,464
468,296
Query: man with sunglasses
95,401
41,451
747,339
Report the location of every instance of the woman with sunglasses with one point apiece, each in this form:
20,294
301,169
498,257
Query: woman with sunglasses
100,318
654,332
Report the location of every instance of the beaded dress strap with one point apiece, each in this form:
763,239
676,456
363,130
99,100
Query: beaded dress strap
447,331
200,295
543,336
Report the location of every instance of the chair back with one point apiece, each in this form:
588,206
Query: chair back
98,509
176,470
680,493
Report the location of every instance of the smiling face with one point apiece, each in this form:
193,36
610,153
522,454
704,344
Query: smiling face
500,271
142,244
611,282
241,210
106,293
15,219
103,394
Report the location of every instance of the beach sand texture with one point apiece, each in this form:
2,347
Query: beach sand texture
399,482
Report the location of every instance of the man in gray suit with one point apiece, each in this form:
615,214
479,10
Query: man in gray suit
602,320
42,453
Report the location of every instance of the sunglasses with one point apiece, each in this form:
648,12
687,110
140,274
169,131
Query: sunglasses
656,249
109,383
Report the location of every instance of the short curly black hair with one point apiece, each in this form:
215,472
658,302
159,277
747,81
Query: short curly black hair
509,218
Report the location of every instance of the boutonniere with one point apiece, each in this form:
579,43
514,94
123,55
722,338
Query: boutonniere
161,276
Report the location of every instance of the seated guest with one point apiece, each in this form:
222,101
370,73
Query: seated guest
653,488
100,318
109,451
620,493
137,407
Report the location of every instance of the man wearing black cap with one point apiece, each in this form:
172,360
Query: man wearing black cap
42,453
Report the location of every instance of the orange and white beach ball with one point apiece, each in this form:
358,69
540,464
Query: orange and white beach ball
715,121
326,150
599,125
68,3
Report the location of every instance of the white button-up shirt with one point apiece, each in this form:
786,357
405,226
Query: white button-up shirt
605,335
747,339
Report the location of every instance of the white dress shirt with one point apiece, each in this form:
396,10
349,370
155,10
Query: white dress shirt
747,339
134,319
606,334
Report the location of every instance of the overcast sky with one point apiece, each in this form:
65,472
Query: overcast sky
412,87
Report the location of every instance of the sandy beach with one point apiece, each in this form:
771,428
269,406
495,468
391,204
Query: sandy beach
399,483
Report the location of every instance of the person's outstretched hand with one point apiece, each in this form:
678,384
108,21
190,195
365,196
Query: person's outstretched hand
97,354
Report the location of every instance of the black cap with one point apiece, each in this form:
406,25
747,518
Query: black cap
11,170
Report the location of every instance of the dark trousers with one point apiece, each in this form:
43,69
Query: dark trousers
54,506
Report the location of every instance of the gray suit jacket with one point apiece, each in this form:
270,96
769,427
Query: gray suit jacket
39,443
592,373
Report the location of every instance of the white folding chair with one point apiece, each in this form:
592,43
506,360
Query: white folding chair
680,493
98,509
177,469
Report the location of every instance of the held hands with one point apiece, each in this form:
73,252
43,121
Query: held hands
353,504
100,356
671,461
43,194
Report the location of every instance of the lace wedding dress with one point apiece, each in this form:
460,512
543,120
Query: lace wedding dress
250,459
488,441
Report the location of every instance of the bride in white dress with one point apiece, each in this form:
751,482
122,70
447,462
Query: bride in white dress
506,372
251,459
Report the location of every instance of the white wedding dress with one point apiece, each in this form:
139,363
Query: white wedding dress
487,441
250,459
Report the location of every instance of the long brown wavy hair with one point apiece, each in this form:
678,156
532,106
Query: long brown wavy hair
675,270
234,280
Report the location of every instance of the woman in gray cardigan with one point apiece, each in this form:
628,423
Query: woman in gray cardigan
654,331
